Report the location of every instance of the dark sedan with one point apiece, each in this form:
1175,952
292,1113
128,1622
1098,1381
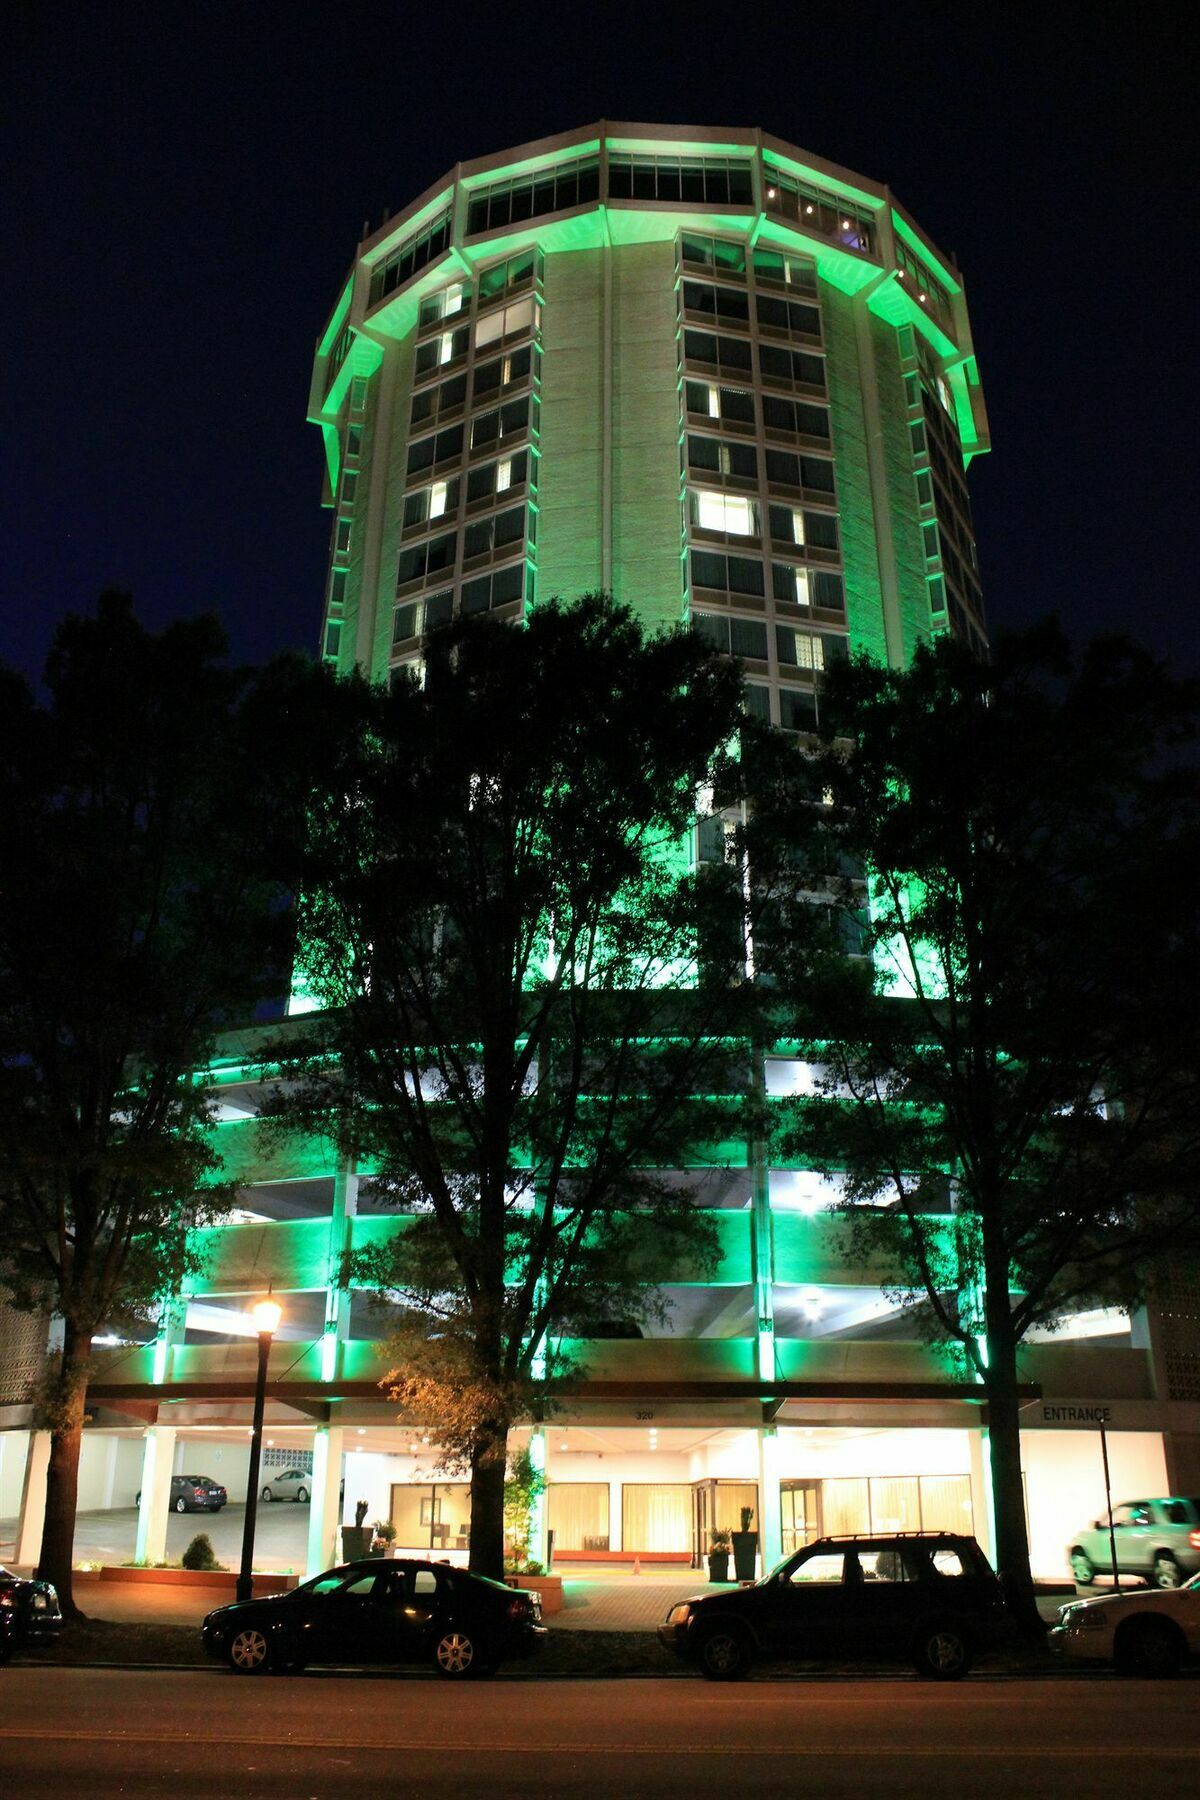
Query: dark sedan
927,1597
29,1612
378,1612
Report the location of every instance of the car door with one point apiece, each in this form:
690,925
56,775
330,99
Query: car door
405,1602
343,1623
1132,1529
887,1601
803,1611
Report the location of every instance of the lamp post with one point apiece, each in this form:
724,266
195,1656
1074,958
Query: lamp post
266,1315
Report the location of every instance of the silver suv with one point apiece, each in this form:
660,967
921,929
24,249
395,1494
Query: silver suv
1159,1539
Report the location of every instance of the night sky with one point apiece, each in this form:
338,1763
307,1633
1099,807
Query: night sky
185,188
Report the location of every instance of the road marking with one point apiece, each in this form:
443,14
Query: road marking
523,1747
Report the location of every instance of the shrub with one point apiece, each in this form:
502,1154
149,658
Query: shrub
200,1554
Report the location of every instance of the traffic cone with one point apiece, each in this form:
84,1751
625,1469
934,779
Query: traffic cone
637,1565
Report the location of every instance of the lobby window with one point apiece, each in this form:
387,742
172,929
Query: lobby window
727,574
721,303
575,183
721,458
794,417
705,181
412,254
444,304
736,637
490,591
784,271
714,402
430,557
431,502
736,514
721,352
719,254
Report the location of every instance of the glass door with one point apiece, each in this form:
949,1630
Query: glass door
800,1506
701,1521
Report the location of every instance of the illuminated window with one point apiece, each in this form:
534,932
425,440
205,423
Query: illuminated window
784,271
444,304
430,502
507,321
787,524
788,582
734,405
814,209
734,513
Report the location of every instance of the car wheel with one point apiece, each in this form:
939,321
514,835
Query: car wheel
1166,1571
1147,1647
266,1494
181,1504
249,1652
725,1653
457,1654
942,1652
301,1496
1082,1567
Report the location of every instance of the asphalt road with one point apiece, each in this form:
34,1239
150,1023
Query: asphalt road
102,1733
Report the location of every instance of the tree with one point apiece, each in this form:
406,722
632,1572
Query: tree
500,916
143,808
1010,1074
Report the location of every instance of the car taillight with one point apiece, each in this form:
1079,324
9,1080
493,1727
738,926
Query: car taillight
1194,1539
518,1607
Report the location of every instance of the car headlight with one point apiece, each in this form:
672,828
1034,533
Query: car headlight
1084,1618
679,1613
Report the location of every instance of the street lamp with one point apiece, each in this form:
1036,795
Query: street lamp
266,1315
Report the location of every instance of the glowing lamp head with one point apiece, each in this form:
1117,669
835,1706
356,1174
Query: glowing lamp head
266,1315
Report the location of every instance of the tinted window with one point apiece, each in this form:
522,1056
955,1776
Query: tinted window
949,1562
826,1568
886,1565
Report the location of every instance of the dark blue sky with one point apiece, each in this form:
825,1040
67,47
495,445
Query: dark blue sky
186,185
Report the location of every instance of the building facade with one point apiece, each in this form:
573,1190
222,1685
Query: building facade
732,384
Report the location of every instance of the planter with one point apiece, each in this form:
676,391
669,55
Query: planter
223,1580
745,1554
718,1565
548,1586
356,1542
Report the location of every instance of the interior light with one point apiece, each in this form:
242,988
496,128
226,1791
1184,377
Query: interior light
362,1431
562,1446
808,209
771,193
921,298
845,224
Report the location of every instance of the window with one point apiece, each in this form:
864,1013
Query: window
734,405
728,574
790,470
526,196
431,502
882,1565
784,271
349,487
438,352
504,275
426,558
757,700
431,450
712,253
790,582
801,367
337,587
439,402
491,533
416,616
734,513
790,316
721,458
509,420
333,638
341,538
797,709
723,352
354,442
507,321
796,417
493,590
705,181
826,1569
816,210
412,254
501,371
716,302
809,649
497,477
828,591
737,637
444,304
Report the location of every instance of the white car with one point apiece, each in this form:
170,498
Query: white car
1141,1631
289,1484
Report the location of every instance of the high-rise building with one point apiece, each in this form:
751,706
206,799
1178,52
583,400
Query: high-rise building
727,382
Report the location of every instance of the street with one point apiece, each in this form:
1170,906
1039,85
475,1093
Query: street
139,1733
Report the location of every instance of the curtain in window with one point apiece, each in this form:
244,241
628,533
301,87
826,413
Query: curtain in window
656,1517
844,1507
946,1503
731,1497
895,1503
579,1514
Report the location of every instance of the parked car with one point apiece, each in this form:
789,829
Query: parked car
927,1597
380,1611
1159,1539
193,1493
29,1611
1142,1632
289,1484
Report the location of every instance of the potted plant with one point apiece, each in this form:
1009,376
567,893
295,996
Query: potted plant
383,1537
356,1538
745,1547
718,1556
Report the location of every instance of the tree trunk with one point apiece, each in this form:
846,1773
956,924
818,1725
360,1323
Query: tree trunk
1004,1442
487,1501
62,1476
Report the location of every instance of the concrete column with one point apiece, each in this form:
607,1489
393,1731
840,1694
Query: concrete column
33,1501
158,1458
337,1298
981,1490
614,1514
541,1511
325,1513
770,1510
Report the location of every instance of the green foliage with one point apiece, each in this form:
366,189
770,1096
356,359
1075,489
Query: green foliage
524,1485
200,1554
720,1542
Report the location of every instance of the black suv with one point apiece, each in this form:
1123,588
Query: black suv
928,1597
380,1611
29,1610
